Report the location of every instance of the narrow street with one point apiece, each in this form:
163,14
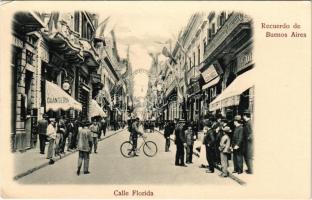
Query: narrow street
109,167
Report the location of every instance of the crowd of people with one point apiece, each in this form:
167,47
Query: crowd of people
72,134
219,141
215,140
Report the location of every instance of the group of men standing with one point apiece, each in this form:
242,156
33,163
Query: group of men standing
60,132
223,140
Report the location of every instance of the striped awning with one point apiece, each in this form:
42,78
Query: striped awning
58,99
95,109
231,95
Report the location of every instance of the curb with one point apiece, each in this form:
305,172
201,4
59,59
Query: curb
56,159
239,181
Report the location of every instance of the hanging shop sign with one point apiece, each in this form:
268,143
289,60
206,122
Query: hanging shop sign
244,59
212,72
66,86
193,88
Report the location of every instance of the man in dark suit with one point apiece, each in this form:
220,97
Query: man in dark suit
180,141
135,132
42,131
238,145
209,142
167,133
248,141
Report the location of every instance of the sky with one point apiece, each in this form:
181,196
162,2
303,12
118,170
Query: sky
143,28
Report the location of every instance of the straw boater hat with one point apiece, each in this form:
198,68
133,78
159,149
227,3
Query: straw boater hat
227,129
85,123
238,118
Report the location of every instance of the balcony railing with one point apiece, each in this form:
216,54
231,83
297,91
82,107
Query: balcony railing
231,23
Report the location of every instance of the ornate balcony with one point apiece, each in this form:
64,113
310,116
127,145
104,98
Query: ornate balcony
235,27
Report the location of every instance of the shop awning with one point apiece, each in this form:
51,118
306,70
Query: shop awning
211,83
231,95
95,109
58,99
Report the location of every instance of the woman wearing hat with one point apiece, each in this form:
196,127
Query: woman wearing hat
224,148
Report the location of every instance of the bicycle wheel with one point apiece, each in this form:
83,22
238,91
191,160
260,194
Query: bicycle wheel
126,149
150,148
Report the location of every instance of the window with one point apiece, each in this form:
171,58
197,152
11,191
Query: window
89,32
194,59
213,29
77,20
209,35
84,27
190,65
222,18
29,57
205,44
198,50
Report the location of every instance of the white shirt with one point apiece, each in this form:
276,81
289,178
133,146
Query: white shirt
51,131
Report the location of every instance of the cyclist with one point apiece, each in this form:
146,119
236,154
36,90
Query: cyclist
134,135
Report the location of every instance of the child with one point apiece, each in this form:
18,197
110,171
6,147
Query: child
225,150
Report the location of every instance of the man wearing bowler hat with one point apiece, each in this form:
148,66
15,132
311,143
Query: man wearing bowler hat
180,141
248,141
210,144
237,145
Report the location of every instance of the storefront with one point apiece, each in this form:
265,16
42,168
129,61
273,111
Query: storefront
212,77
171,108
237,97
194,99
25,40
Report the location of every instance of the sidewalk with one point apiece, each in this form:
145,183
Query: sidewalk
241,178
31,160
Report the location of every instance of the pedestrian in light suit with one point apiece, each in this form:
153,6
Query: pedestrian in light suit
94,128
225,151
51,136
84,147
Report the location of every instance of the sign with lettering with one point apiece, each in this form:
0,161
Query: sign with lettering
209,74
244,59
193,88
60,100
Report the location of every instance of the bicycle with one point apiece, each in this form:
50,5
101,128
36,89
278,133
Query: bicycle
149,148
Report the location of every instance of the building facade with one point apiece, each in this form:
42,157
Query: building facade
58,67
211,54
